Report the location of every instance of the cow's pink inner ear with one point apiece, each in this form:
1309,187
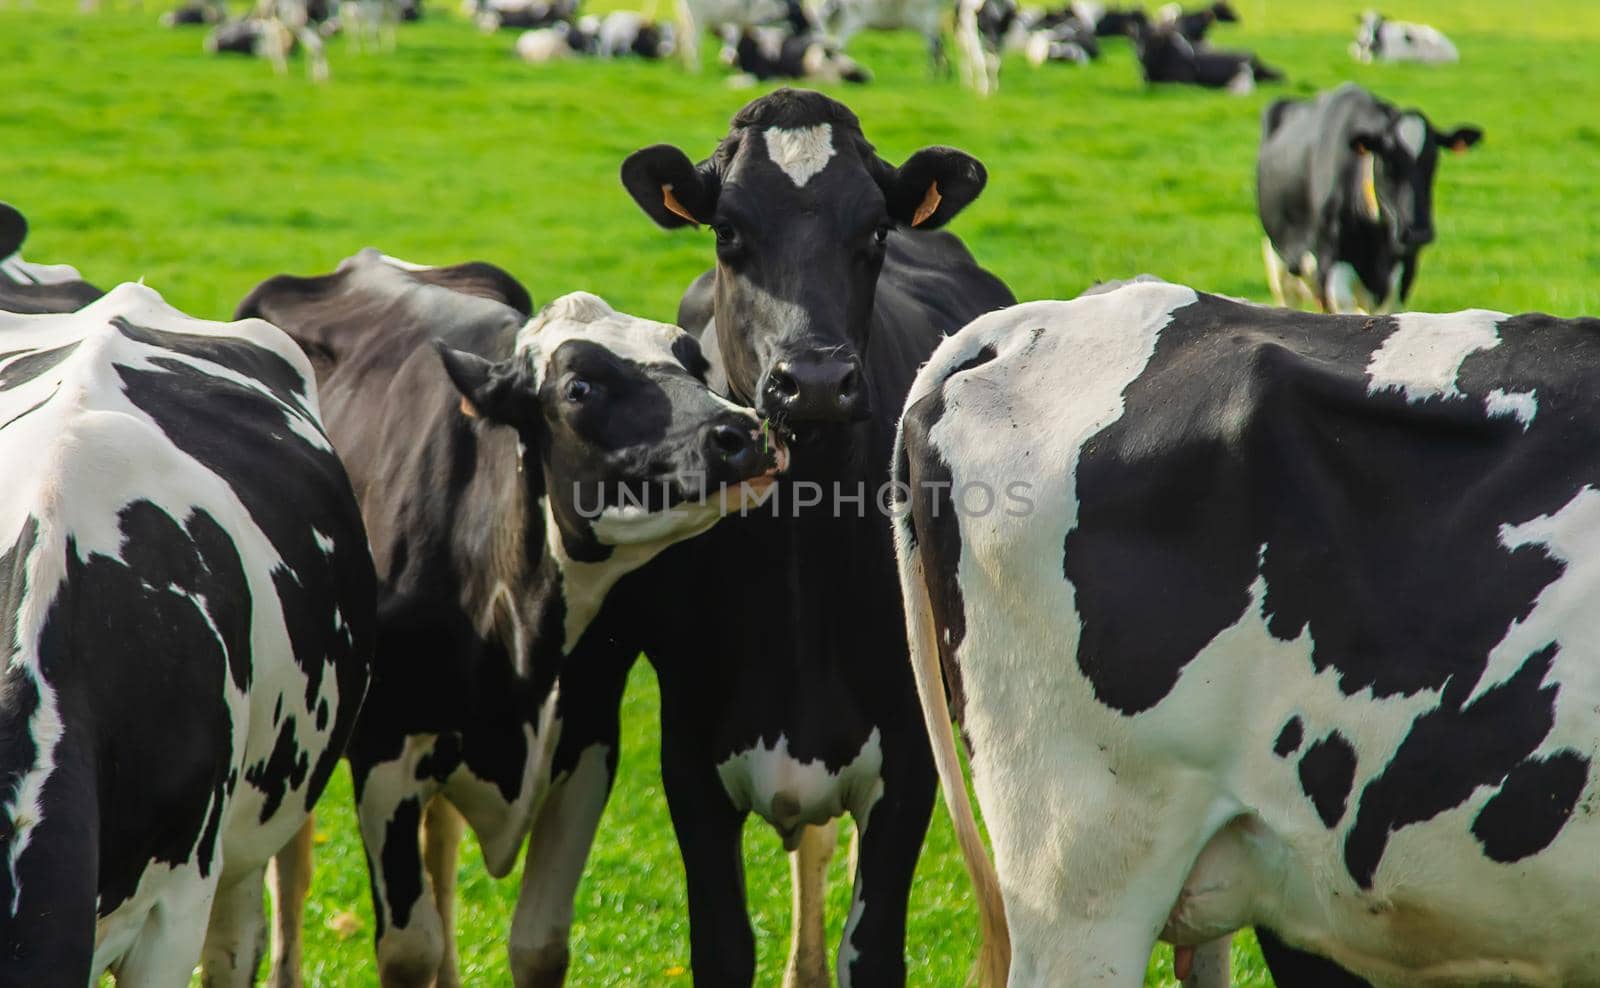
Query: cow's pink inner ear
671,202
930,205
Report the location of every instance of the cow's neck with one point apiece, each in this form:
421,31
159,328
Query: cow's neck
1366,247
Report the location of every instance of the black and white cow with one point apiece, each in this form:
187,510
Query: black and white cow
1379,39
27,287
186,632
505,490
1344,189
492,15
1194,25
844,19
275,30
195,12
1110,22
1165,56
1293,629
784,689
764,53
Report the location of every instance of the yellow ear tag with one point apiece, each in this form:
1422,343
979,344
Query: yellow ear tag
1369,185
930,205
468,408
673,205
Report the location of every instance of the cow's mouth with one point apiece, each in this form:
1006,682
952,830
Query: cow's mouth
779,451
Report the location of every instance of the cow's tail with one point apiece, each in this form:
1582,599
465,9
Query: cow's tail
994,956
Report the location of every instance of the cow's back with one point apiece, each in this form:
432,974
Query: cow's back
188,591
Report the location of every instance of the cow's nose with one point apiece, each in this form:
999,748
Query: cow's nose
1419,236
815,389
735,446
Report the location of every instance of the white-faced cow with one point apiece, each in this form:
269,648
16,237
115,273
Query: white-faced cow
186,632
27,287
1344,189
777,637
1379,39
505,490
1166,56
1296,631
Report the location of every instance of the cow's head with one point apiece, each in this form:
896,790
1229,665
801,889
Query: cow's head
1396,152
618,429
802,209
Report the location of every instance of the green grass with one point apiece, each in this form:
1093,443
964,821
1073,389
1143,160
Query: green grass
137,156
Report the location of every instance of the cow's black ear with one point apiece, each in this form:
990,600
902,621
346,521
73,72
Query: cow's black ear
668,187
490,391
1459,139
932,186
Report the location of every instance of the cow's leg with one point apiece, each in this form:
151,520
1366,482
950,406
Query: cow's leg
442,829
48,941
722,946
316,56
389,807
289,880
1277,272
168,947
558,848
891,832
938,63
1213,965
582,771
236,935
688,36
1087,885
808,872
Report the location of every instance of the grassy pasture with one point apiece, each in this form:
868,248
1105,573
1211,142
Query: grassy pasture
136,156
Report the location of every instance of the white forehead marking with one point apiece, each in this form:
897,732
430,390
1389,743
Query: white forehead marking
582,316
801,152
1423,355
1413,131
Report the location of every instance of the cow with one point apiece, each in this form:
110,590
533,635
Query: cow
26,287
832,282
1111,22
696,17
1344,189
506,488
275,30
193,12
186,629
1165,56
1379,39
764,53
492,15
1291,631
844,19
622,33
1195,24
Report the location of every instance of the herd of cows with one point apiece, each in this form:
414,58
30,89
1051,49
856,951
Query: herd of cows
805,39
1248,616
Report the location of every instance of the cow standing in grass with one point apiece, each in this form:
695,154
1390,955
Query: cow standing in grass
1298,634
1344,189
777,640
506,488
186,631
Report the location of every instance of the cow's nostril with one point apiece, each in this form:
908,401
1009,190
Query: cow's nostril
728,440
782,384
847,386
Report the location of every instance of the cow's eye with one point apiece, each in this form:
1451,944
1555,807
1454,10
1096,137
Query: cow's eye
578,389
880,236
726,234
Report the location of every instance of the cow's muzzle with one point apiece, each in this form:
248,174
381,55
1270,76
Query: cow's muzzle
815,389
